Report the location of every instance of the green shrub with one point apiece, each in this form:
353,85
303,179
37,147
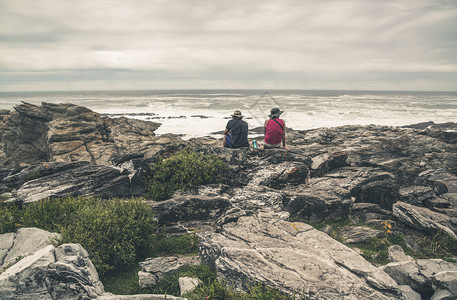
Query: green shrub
114,232
183,170
10,217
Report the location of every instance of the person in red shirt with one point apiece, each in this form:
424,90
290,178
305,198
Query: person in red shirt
275,131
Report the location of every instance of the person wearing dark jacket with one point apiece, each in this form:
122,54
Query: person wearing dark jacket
236,132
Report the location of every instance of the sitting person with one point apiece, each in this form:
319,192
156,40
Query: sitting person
236,132
275,131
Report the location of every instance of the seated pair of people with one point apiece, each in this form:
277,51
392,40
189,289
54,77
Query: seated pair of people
236,131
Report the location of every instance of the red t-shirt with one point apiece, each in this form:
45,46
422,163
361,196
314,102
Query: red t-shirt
273,132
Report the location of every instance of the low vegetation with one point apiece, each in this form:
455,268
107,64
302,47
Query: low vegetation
114,232
182,171
375,250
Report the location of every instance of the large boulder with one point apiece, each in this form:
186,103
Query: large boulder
69,133
294,258
64,272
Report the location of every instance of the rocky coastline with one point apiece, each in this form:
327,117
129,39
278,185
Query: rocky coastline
273,222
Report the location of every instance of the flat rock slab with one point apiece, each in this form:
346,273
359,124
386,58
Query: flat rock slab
294,258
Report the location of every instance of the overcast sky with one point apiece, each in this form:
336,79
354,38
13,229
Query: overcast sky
171,44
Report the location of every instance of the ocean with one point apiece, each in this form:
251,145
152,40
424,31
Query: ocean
196,113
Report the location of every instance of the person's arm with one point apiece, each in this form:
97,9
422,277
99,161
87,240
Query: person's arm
284,136
265,128
224,140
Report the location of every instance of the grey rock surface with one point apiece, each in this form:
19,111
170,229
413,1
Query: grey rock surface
293,257
154,269
358,234
24,242
424,218
109,296
64,272
419,275
447,285
395,253
188,284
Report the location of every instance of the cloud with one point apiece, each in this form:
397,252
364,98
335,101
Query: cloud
289,44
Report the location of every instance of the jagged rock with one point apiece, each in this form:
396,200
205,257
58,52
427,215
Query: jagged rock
280,175
447,285
314,205
154,269
188,284
436,203
68,133
109,296
86,180
384,193
395,253
64,272
419,274
441,181
24,242
357,234
416,194
292,257
424,219
327,162
189,208
370,213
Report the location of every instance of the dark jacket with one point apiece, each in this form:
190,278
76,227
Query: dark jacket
239,133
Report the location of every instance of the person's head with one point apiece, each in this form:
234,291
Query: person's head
237,114
275,113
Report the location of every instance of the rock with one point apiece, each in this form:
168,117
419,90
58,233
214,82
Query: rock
314,205
292,257
188,284
64,272
440,180
282,175
370,213
358,234
24,242
408,293
395,253
68,133
328,230
384,193
447,285
436,203
154,269
419,274
424,219
327,162
109,296
189,208
416,194
88,180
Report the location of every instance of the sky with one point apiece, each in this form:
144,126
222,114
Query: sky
205,44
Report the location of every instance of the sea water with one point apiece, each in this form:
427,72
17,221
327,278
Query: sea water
195,113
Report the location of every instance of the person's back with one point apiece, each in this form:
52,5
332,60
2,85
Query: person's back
275,130
238,130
